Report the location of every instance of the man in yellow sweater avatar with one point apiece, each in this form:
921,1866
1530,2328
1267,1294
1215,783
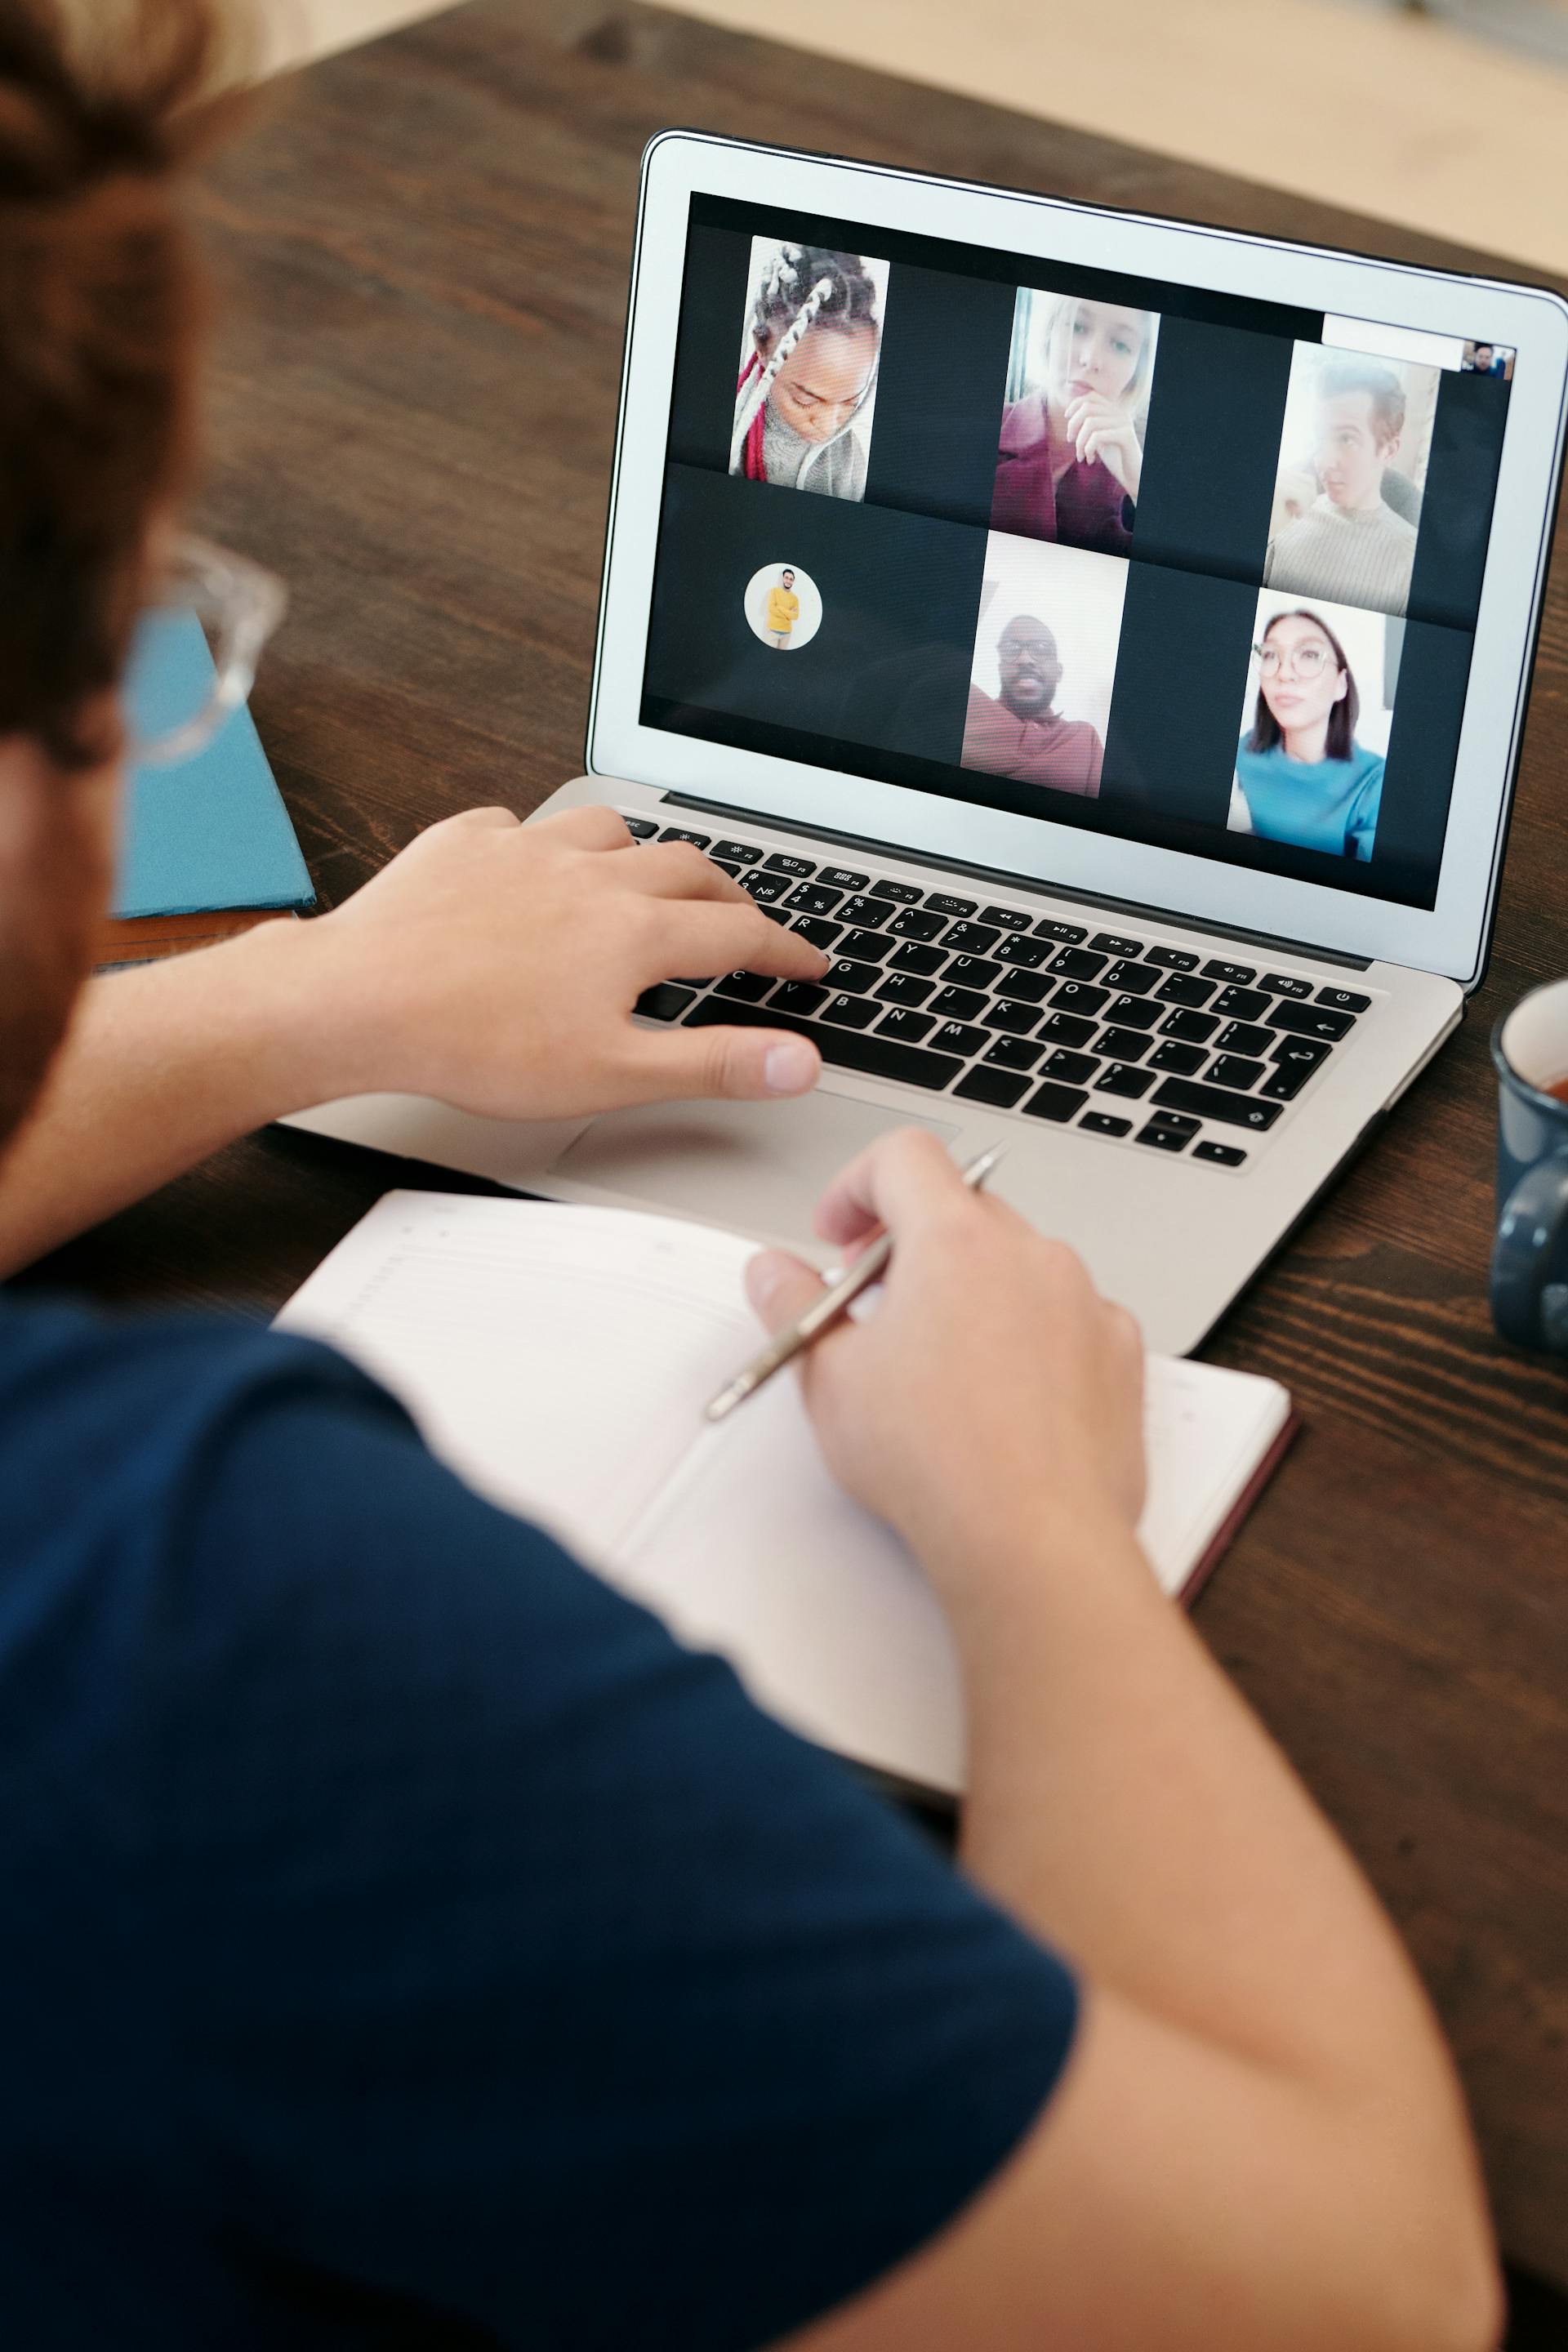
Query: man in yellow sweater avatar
783,610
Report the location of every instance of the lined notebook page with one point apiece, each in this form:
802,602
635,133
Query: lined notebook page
559,1359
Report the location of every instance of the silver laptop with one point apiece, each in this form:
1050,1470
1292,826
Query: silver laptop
1108,638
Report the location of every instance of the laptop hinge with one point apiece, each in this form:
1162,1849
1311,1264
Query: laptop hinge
1028,885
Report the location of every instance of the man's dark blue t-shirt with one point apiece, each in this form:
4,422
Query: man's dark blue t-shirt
402,1938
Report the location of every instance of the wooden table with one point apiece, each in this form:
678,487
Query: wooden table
424,247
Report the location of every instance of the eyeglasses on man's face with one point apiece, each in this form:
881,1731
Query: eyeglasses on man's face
239,607
1302,661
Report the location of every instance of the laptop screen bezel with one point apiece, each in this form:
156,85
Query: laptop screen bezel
1449,938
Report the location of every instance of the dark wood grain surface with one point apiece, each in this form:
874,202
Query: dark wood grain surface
423,249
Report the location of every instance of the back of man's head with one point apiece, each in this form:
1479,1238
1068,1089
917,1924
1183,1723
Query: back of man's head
100,313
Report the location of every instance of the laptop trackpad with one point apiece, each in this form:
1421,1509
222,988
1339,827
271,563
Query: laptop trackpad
762,1165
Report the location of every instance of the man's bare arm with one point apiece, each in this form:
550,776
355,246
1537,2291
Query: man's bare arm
492,965
1258,2141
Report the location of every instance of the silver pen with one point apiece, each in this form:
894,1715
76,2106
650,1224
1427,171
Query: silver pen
823,1312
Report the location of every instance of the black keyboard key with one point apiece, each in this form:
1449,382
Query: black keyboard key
797,996
766,888
1242,1037
1185,1060
1101,1122
643,828
1177,1122
852,979
999,1088
1120,1080
698,840
942,902
738,853
839,877
811,898
1134,1012
1078,996
865,947
1007,918
1284,1082
960,1037
972,971
783,861
904,894
1172,959
1137,979
957,1004
972,939
725,867
1241,975
1030,954
1070,1069
746,987
850,1011
918,923
1069,934
1281,983
820,934
1013,1054
1192,1028
911,955
1114,945
1055,1102
903,988
1076,963
665,1003
1066,1029
1121,1045
1222,1155
1161,1139
1342,999
1017,1019
1300,1053
912,1027
1183,989
1214,1102
1032,987
1241,1003
847,1049
1235,1070
866,912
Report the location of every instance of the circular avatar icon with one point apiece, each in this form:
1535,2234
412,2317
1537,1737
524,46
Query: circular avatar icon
784,606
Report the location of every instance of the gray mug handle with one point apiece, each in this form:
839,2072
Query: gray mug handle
1526,1307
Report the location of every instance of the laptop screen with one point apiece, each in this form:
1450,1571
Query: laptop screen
1181,567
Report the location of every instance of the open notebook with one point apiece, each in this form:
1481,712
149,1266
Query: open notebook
559,1359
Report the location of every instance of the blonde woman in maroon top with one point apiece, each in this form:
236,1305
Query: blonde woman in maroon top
1070,460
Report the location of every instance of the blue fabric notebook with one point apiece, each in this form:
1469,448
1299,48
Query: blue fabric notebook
211,833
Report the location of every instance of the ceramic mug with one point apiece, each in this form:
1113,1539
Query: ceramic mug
1529,1257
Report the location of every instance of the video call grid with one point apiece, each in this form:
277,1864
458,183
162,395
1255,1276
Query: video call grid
907,546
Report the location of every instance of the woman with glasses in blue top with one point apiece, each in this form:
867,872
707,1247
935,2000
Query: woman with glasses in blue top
1300,776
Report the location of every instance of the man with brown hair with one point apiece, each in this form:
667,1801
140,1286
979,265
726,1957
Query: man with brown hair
1350,547
402,1939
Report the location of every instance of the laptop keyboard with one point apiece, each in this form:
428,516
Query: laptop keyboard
1134,1039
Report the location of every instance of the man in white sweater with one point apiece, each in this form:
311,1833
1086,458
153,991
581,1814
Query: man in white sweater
1350,547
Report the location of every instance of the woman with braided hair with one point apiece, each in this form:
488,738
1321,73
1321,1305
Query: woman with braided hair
809,371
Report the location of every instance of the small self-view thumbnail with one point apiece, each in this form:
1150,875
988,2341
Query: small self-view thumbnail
1315,728
1045,661
1070,462
1487,358
1353,472
806,392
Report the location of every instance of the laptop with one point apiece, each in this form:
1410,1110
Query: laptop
1109,638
